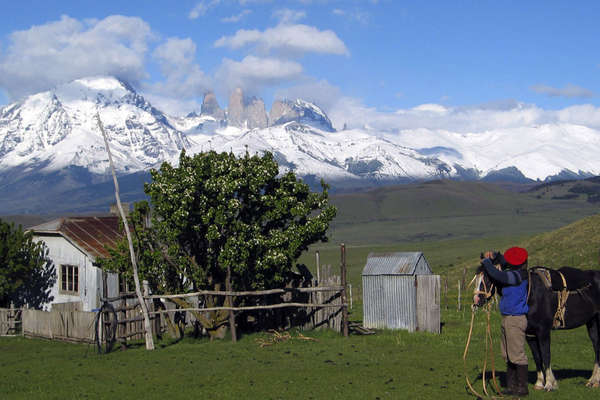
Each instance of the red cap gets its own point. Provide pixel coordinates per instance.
(515, 256)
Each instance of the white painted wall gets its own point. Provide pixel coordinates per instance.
(61, 251)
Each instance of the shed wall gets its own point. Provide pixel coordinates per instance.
(389, 301)
(422, 267)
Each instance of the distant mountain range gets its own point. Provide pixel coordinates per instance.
(53, 159)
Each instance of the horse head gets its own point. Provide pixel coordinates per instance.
(484, 289)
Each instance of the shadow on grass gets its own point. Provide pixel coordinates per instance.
(567, 374)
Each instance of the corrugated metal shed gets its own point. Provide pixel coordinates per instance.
(89, 234)
(392, 285)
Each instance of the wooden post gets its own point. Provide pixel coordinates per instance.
(124, 329)
(11, 319)
(136, 279)
(104, 285)
(149, 303)
(458, 295)
(350, 287)
(344, 297)
(229, 299)
(446, 291)
(318, 266)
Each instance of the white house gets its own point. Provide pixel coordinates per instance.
(74, 245)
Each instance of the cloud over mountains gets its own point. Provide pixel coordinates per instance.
(170, 71)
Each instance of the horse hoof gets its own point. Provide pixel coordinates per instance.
(538, 387)
(593, 384)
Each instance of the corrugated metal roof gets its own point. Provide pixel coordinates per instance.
(400, 263)
(90, 234)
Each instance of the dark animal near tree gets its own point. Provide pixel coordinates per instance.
(558, 299)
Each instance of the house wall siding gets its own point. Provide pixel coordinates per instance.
(63, 252)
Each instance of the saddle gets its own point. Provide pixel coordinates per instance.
(563, 282)
(565, 278)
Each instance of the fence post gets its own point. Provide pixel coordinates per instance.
(229, 299)
(446, 291)
(11, 319)
(458, 295)
(149, 304)
(350, 288)
(318, 266)
(344, 297)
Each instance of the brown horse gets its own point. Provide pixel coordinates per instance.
(553, 305)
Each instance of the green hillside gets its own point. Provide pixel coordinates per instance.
(575, 245)
(440, 210)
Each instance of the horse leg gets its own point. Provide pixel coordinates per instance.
(544, 341)
(593, 327)
(534, 345)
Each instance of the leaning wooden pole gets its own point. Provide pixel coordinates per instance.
(136, 279)
(344, 297)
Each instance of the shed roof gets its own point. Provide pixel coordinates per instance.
(399, 263)
(89, 234)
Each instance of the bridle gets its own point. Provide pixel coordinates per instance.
(488, 292)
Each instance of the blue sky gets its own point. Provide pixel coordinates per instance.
(379, 56)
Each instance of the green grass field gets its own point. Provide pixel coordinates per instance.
(388, 365)
(449, 222)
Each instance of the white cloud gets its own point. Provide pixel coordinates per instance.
(236, 18)
(571, 91)
(172, 105)
(355, 15)
(473, 119)
(46, 55)
(287, 16)
(320, 92)
(183, 77)
(584, 114)
(498, 116)
(296, 39)
(201, 8)
(254, 73)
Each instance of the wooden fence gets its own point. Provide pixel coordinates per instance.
(71, 326)
(325, 305)
(326, 317)
(10, 321)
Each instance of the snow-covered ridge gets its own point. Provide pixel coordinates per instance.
(57, 129)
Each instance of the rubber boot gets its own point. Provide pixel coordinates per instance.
(521, 386)
(511, 379)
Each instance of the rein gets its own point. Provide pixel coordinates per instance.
(489, 348)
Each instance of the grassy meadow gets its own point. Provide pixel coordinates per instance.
(450, 222)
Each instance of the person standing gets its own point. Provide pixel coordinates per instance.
(512, 284)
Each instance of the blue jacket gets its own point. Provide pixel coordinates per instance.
(512, 287)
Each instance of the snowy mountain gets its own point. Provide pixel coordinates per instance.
(56, 129)
(51, 147)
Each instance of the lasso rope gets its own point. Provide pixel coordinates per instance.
(489, 351)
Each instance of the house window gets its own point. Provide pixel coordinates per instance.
(69, 279)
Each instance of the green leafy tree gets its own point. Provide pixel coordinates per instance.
(219, 216)
(26, 272)
(225, 212)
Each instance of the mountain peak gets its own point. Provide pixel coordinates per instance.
(57, 128)
(302, 111)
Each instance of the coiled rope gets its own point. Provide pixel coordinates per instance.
(489, 354)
